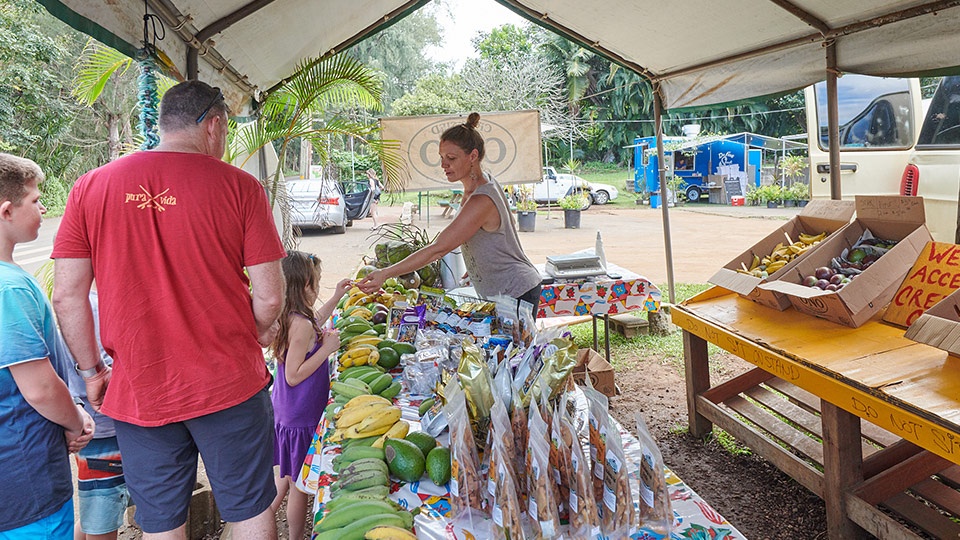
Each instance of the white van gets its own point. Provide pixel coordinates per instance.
(933, 169)
(879, 122)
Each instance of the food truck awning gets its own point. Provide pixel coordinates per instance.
(700, 51)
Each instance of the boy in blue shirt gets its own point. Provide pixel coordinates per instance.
(40, 422)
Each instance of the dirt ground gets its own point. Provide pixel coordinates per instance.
(754, 496)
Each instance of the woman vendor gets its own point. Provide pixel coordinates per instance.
(484, 227)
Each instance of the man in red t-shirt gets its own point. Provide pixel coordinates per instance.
(169, 234)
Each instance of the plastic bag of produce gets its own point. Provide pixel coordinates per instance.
(466, 489)
(582, 506)
(504, 505)
(598, 407)
(619, 513)
(477, 386)
(654, 509)
(541, 502)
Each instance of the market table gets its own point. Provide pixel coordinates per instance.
(693, 517)
(598, 295)
(840, 385)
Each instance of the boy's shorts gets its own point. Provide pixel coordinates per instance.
(160, 464)
(57, 525)
(101, 488)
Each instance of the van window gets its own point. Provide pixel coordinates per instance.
(941, 125)
(874, 112)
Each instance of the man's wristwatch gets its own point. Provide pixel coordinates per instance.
(92, 372)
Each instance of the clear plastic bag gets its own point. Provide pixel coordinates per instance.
(653, 500)
(466, 489)
(619, 512)
(542, 503)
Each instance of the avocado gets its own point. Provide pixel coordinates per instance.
(389, 358)
(403, 348)
(438, 465)
(404, 459)
(424, 441)
(385, 343)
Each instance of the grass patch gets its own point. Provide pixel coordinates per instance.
(728, 443)
(669, 348)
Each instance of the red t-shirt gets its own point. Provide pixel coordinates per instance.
(169, 235)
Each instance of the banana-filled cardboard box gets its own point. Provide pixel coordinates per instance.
(781, 250)
(897, 220)
(939, 326)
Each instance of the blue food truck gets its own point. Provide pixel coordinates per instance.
(700, 161)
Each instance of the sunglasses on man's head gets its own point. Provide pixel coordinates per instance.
(213, 102)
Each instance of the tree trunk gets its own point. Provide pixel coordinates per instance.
(659, 322)
(113, 141)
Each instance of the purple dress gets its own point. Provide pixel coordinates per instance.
(296, 413)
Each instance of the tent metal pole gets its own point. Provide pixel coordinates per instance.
(662, 172)
(833, 122)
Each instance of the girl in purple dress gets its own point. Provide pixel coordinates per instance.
(302, 384)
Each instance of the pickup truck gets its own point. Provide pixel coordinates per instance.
(554, 185)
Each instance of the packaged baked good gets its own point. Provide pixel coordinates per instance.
(466, 490)
(654, 510)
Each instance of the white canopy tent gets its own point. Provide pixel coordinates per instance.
(695, 52)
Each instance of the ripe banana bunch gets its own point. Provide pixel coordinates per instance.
(782, 254)
(389, 532)
(398, 431)
(359, 354)
(357, 297)
(365, 421)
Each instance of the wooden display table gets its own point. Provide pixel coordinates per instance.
(839, 385)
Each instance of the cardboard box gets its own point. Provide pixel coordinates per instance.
(939, 326)
(589, 362)
(817, 217)
(888, 218)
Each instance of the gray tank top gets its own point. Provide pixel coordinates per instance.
(495, 260)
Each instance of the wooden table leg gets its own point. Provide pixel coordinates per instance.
(697, 370)
(842, 468)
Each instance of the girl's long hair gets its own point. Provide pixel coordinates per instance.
(299, 271)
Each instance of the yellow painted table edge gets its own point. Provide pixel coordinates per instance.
(860, 402)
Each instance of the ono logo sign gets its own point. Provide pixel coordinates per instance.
(423, 152)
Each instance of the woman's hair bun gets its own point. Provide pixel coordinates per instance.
(473, 120)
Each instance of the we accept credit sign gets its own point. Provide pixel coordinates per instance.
(934, 276)
(511, 142)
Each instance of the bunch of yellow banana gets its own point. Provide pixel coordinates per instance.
(360, 353)
(368, 418)
(389, 532)
(782, 254)
(357, 297)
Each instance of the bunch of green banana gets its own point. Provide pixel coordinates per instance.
(371, 380)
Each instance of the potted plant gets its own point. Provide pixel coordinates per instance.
(675, 192)
(572, 204)
(526, 211)
(753, 196)
(799, 192)
(771, 195)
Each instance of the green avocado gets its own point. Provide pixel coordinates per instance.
(424, 441)
(438, 465)
(404, 459)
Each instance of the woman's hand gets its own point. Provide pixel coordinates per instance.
(77, 440)
(372, 282)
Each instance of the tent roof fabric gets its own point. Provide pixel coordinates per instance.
(701, 52)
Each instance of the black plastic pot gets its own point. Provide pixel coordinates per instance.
(571, 219)
(527, 221)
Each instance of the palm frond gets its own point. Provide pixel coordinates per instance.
(97, 63)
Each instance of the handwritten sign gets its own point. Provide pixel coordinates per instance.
(933, 277)
(732, 187)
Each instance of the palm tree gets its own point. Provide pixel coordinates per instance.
(314, 105)
(104, 82)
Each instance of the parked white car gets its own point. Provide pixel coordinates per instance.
(555, 185)
(602, 193)
(316, 203)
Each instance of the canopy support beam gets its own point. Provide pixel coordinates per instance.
(833, 121)
(662, 174)
(215, 28)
